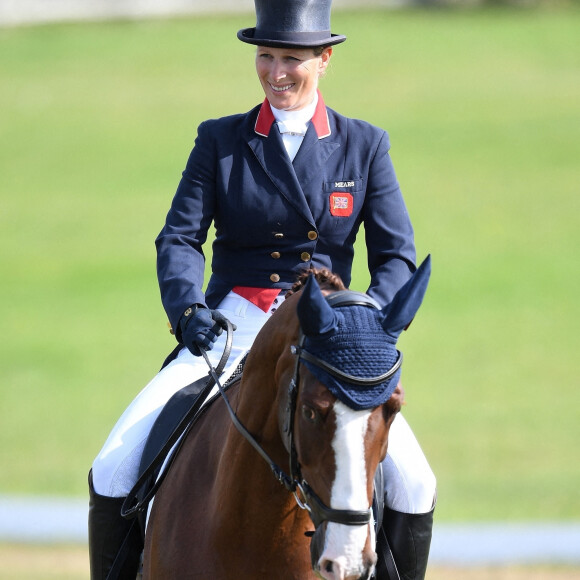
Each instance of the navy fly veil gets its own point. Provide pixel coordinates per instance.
(357, 341)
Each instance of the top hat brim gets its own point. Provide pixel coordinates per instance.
(293, 40)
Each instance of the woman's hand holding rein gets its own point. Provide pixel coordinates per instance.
(200, 327)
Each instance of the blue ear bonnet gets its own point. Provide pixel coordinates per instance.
(357, 346)
(357, 339)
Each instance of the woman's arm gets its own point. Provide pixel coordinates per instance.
(388, 230)
(180, 257)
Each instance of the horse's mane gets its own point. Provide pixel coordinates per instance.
(326, 279)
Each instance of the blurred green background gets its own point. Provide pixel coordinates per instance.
(483, 110)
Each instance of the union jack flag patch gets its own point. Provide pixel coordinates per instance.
(341, 203)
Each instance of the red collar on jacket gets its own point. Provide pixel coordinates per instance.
(320, 121)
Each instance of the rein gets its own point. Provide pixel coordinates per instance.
(305, 496)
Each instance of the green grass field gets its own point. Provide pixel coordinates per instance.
(483, 110)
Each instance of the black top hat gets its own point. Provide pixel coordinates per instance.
(291, 23)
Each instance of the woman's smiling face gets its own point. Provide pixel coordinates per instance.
(289, 76)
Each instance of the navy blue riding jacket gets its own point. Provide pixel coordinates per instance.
(274, 217)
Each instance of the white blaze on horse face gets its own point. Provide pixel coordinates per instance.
(344, 544)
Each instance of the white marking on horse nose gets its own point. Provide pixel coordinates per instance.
(342, 556)
(349, 490)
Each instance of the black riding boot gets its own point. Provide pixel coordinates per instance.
(409, 538)
(115, 543)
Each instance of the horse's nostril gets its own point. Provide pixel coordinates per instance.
(329, 566)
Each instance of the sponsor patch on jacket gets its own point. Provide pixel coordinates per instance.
(341, 203)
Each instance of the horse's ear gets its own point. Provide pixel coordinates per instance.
(316, 316)
(402, 309)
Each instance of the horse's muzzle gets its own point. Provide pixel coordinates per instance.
(330, 570)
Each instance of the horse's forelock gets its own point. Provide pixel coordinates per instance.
(326, 279)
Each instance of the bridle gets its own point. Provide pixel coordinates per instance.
(305, 496)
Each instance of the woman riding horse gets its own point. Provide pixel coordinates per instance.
(287, 186)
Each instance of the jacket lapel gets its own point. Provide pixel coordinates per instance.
(266, 143)
(300, 180)
(311, 160)
(312, 156)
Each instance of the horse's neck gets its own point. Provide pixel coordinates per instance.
(268, 367)
(257, 403)
(257, 409)
(244, 478)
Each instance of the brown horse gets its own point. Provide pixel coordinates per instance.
(221, 513)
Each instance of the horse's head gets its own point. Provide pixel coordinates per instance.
(336, 418)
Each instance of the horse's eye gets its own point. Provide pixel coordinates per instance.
(309, 414)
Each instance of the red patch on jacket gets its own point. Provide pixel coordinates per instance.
(341, 203)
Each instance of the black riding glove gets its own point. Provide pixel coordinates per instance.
(200, 328)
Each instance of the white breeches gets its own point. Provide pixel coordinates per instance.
(410, 483)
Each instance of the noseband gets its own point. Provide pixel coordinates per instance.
(305, 496)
